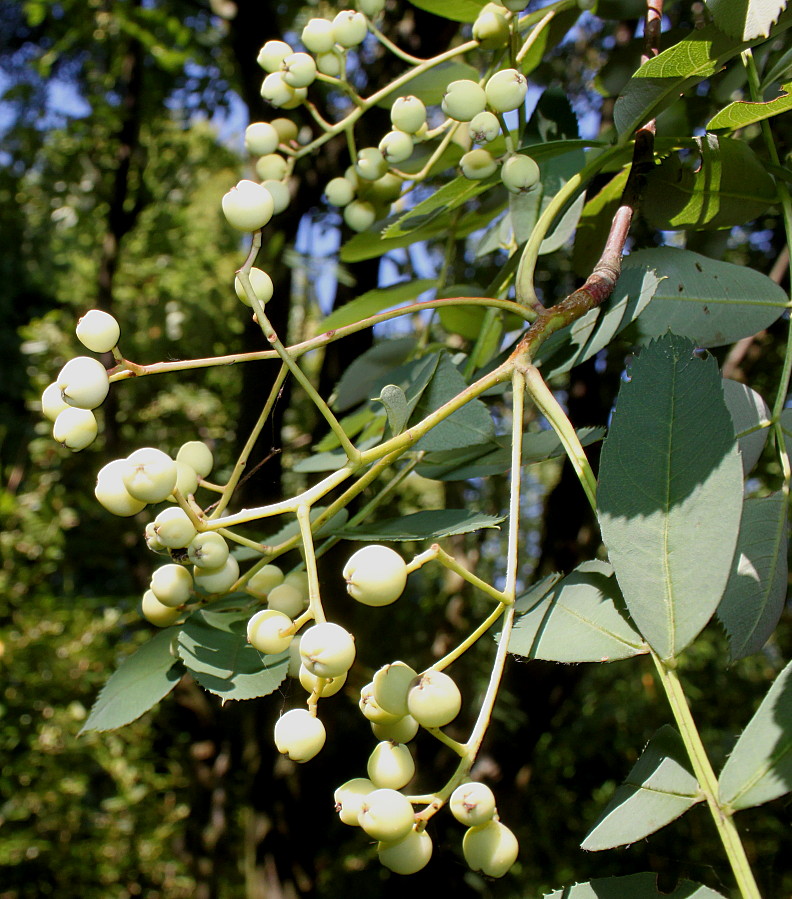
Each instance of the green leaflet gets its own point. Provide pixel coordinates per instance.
(633, 886)
(428, 525)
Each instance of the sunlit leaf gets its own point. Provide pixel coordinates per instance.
(374, 301)
(745, 19)
(457, 10)
(633, 886)
(427, 525)
(742, 113)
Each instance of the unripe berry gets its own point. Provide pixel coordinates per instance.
(150, 475)
(386, 815)
(375, 575)
(186, 480)
(384, 190)
(514, 5)
(391, 685)
(299, 69)
(395, 147)
(408, 855)
(153, 542)
(286, 128)
(75, 429)
(349, 28)
(390, 765)
(586, 4)
(371, 8)
(402, 730)
(264, 580)
(98, 331)
(295, 662)
(272, 54)
(372, 710)
(261, 138)
(434, 699)
(330, 686)
(298, 579)
(506, 90)
(279, 93)
(260, 282)
(339, 192)
(370, 164)
(111, 492)
(52, 402)
(463, 100)
(491, 848)
(174, 528)
(218, 580)
(197, 455)
(472, 804)
(317, 35)
(408, 114)
(272, 166)
(520, 174)
(156, 612)
(172, 584)
(270, 632)
(478, 164)
(281, 197)
(299, 735)
(327, 649)
(288, 599)
(248, 206)
(83, 382)
(491, 29)
(330, 63)
(349, 798)
(484, 128)
(208, 550)
(360, 215)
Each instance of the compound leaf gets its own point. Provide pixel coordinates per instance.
(632, 886)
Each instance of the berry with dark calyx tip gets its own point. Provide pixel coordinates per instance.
(261, 283)
(156, 612)
(463, 100)
(400, 731)
(261, 138)
(317, 35)
(395, 147)
(491, 29)
(75, 429)
(272, 166)
(281, 197)
(98, 331)
(371, 708)
(174, 528)
(299, 735)
(349, 798)
(264, 580)
(208, 550)
(360, 215)
(288, 599)
(520, 174)
(327, 649)
(279, 93)
(111, 492)
(272, 54)
(83, 382)
(330, 63)
(478, 164)
(339, 192)
(153, 542)
(370, 164)
(286, 128)
(151, 475)
(434, 699)
(349, 28)
(270, 632)
(386, 815)
(52, 402)
(197, 455)
(472, 804)
(408, 114)
(172, 584)
(408, 855)
(330, 686)
(218, 580)
(391, 685)
(299, 69)
(490, 848)
(371, 8)
(390, 765)
(186, 481)
(375, 575)
(248, 206)
(506, 90)
(484, 128)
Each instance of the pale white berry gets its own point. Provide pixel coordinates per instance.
(153, 542)
(272, 54)
(83, 382)
(281, 196)
(172, 584)
(372, 710)
(218, 580)
(434, 699)
(276, 91)
(339, 192)
(248, 206)
(299, 735)
(349, 28)
(408, 855)
(329, 686)
(298, 579)
(371, 8)
(75, 428)
(390, 765)
(261, 283)
(349, 798)
(156, 612)
(288, 599)
(261, 138)
(327, 649)
(112, 493)
(520, 174)
(375, 575)
(264, 580)
(472, 804)
(506, 90)
(408, 114)
(478, 164)
(151, 475)
(484, 128)
(286, 128)
(396, 147)
(295, 662)
(330, 63)
(370, 164)
(386, 815)
(360, 215)
(299, 69)
(463, 99)
(490, 848)
(272, 166)
(186, 480)
(391, 685)
(491, 29)
(270, 632)
(98, 331)
(197, 455)
(208, 550)
(402, 730)
(317, 35)
(52, 402)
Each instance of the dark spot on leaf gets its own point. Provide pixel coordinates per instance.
(706, 310)
(698, 267)
(680, 288)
